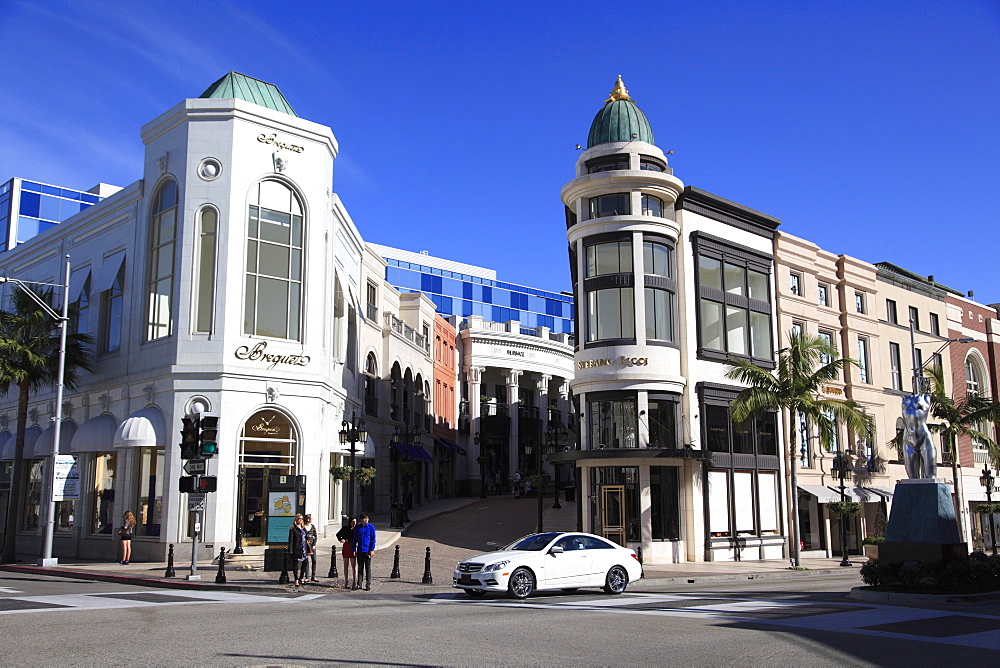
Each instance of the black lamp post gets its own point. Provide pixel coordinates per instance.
(552, 437)
(482, 469)
(538, 479)
(352, 432)
(842, 466)
(986, 480)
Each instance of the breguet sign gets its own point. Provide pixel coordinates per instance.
(273, 140)
(257, 354)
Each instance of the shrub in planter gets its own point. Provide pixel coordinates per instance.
(850, 508)
(365, 475)
(341, 472)
(972, 574)
(874, 540)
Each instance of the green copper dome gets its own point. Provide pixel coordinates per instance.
(248, 89)
(619, 120)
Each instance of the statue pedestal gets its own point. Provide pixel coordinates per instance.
(922, 524)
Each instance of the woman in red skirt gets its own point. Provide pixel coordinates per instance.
(346, 538)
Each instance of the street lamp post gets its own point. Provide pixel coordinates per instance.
(552, 436)
(986, 480)
(918, 368)
(404, 435)
(63, 319)
(482, 469)
(842, 465)
(538, 479)
(352, 432)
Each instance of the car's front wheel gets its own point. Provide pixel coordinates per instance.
(476, 593)
(521, 583)
(616, 581)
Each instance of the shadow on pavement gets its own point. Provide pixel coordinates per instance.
(486, 525)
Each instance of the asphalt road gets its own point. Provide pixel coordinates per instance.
(48, 621)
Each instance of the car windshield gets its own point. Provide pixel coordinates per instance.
(534, 543)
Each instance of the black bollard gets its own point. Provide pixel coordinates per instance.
(428, 578)
(170, 563)
(220, 577)
(283, 578)
(333, 564)
(638, 553)
(395, 565)
(239, 541)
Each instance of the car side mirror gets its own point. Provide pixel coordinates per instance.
(556, 550)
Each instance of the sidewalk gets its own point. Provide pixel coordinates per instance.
(465, 526)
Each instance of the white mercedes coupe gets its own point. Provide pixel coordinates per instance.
(545, 561)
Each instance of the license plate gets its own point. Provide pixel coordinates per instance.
(467, 580)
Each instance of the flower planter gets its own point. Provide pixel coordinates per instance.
(871, 551)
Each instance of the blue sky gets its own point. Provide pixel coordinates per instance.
(870, 127)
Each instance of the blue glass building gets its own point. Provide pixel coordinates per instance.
(463, 290)
(28, 208)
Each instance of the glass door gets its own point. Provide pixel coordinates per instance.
(613, 513)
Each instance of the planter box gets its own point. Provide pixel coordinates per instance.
(871, 551)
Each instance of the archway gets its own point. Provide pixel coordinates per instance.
(268, 442)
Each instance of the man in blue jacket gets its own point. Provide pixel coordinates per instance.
(364, 545)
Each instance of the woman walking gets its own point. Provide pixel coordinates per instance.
(346, 538)
(125, 533)
(307, 521)
(298, 549)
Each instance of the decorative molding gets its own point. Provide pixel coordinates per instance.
(273, 392)
(163, 161)
(148, 393)
(104, 400)
(280, 162)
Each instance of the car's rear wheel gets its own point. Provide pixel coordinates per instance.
(521, 584)
(616, 581)
(476, 593)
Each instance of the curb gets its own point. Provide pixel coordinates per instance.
(738, 577)
(869, 595)
(132, 580)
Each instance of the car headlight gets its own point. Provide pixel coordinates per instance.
(497, 566)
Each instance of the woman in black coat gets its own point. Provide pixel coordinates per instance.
(298, 550)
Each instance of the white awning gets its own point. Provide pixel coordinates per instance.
(142, 429)
(95, 435)
(43, 446)
(31, 435)
(105, 277)
(822, 494)
(862, 494)
(6, 446)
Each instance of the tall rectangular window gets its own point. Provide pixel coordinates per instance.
(613, 257)
(371, 307)
(822, 294)
(662, 419)
(205, 280)
(149, 493)
(112, 301)
(890, 312)
(664, 493)
(162, 234)
(863, 359)
(659, 314)
(795, 283)
(895, 368)
(915, 318)
(859, 302)
(102, 495)
(613, 423)
(827, 337)
(935, 324)
(611, 314)
(652, 206)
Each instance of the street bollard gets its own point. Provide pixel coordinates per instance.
(428, 578)
(239, 541)
(170, 563)
(333, 564)
(638, 553)
(220, 577)
(283, 578)
(395, 565)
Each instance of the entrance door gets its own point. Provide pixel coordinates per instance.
(267, 445)
(613, 513)
(254, 496)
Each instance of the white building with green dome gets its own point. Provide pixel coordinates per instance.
(668, 280)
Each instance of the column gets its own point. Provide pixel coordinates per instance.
(513, 397)
(474, 376)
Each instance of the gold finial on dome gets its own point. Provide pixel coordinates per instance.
(619, 92)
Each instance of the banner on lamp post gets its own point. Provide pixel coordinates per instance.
(67, 479)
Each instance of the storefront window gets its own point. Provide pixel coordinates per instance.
(664, 494)
(662, 422)
(33, 495)
(612, 423)
(149, 495)
(103, 493)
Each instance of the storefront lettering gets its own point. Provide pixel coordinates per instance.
(830, 389)
(516, 353)
(622, 360)
(257, 354)
(273, 140)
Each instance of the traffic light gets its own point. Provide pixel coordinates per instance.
(189, 438)
(186, 484)
(208, 483)
(209, 436)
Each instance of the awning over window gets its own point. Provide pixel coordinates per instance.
(450, 446)
(142, 429)
(6, 446)
(31, 435)
(822, 494)
(369, 452)
(863, 494)
(105, 277)
(95, 435)
(421, 455)
(43, 446)
(76, 282)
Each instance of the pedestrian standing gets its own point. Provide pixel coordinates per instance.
(517, 484)
(298, 550)
(364, 545)
(125, 533)
(311, 544)
(498, 483)
(346, 538)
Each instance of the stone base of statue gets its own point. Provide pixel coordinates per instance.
(922, 524)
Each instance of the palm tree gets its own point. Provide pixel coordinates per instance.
(29, 357)
(803, 368)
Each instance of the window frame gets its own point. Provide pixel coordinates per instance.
(161, 262)
(895, 366)
(595, 209)
(891, 312)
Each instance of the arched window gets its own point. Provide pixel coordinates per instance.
(274, 262)
(204, 282)
(162, 235)
(973, 377)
